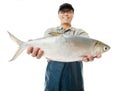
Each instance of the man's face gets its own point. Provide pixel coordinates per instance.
(65, 16)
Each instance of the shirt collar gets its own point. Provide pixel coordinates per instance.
(61, 28)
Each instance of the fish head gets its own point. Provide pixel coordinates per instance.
(101, 47)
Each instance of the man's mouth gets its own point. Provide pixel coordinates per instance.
(65, 18)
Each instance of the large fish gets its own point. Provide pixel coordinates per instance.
(63, 48)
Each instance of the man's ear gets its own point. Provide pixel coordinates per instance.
(58, 15)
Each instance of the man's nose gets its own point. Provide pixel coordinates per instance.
(66, 13)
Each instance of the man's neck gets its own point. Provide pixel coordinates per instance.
(66, 26)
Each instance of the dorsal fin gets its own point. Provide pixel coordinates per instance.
(55, 33)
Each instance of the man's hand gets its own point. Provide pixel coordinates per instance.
(90, 58)
(35, 52)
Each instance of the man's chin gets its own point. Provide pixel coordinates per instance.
(66, 23)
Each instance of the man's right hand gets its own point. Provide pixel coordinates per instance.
(35, 52)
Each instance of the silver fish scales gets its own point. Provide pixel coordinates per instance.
(63, 48)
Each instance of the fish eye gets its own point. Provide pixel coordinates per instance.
(105, 49)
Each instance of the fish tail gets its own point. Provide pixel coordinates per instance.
(20, 49)
(18, 52)
(19, 42)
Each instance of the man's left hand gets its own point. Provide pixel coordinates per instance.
(90, 58)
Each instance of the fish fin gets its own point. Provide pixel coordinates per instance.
(55, 33)
(21, 46)
(18, 52)
(19, 42)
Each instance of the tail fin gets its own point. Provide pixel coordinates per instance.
(20, 49)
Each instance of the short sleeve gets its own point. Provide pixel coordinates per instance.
(82, 33)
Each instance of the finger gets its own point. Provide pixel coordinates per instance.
(98, 56)
(30, 50)
(35, 51)
(39, 54)
(85, 59)
(90, 58)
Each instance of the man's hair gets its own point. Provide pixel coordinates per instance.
(65, 6)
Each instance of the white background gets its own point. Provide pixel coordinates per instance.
(28, 19)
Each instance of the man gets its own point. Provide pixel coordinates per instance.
(61, 76)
